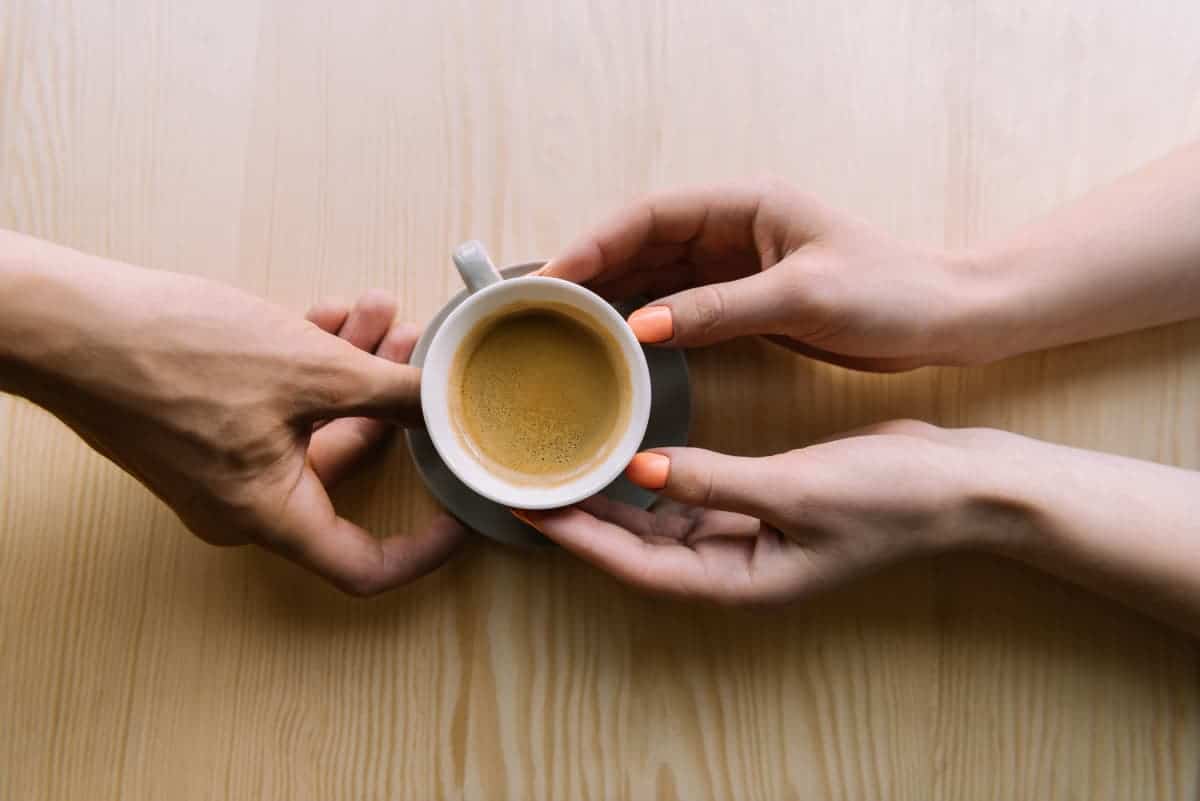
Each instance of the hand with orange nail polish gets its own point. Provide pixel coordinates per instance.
(766, 259)
(736, 530)
(776, 528)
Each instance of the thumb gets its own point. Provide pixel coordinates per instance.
(710, 480)
(370, 386)
(757, 304)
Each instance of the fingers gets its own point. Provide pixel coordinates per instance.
(369, 321)
(741, 566)
(369, 386)
(363, 326)
(329, 314)
(706, 242)
(673, 569)
(357, 383)
(347, 380)
(336, 447)
(368, 326)
(311, 534)
(725, 550)
(672, 523)
(639, 235)
(709, 480)
(761, 303)
(398, 345)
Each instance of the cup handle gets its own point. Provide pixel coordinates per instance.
(474, 266)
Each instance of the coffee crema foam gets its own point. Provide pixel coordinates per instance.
(539, 393)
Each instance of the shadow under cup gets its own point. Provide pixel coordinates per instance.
(438, 388)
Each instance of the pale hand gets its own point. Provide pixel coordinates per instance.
(778, 528)
(764, 258)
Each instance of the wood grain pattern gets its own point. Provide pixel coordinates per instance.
(302, 148)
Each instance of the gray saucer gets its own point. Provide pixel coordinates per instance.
(670, 413)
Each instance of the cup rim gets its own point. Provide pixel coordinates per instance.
(444, 437)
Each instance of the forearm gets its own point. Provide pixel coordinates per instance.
(40, 316)
(1124, 257)
(62, 316)
(1123, 527)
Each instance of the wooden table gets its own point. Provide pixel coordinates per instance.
(301, 149)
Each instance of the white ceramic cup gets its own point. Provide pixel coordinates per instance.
(490, 293)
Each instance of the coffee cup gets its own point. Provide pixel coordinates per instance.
(535, 392)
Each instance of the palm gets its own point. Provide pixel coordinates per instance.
(710, 553)
(772, 528)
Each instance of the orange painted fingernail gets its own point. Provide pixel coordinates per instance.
(523, 517)
(652, 324)
(649, 470)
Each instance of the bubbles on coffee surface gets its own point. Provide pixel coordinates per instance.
(540, 393)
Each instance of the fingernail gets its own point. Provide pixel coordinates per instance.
(649, 470)
(652, 324)
(524, 517)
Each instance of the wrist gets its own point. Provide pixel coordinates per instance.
(41, 313)
(990, 317)
(997, 510)
(21, 281)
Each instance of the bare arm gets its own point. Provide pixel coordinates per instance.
(1124, 257)
(236, 413)
(1124, 527)
(780, 528)
(767, 259)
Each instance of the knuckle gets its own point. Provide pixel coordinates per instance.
(404, 332)
(338, 379)
(647, 201)
(708, 310)
(792, 291)
(325, 308)
(811, 290)
(706, 487)
(693, 484)
(798, 505)
(377, 301)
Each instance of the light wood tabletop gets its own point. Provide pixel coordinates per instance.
(301, 149)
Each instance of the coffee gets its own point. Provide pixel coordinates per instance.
(539, 392)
